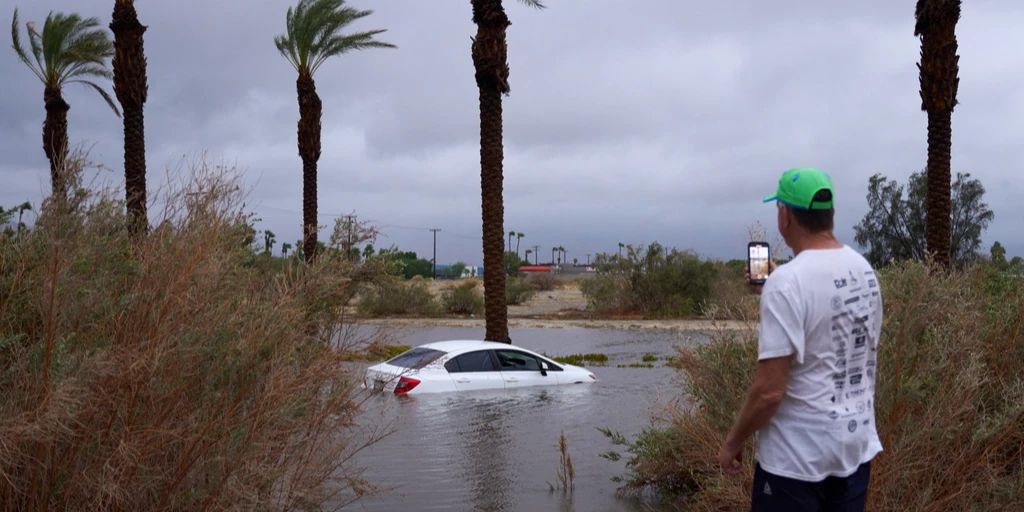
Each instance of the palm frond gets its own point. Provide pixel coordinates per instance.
(22, 55)
(88, 69)
(68, 50)
(537, 4)
(312, 33)
(106, 96)
(35, 41)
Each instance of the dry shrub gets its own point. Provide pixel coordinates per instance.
(168, 372)
(518, 291)
(950, 402)
(393, 296)
(543, 282)
(730, 297)
(463, 299)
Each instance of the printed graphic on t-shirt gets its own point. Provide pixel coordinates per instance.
(854, 348)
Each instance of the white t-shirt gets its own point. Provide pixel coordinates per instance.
(825, 308)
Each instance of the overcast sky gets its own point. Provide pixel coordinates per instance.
(628, 121)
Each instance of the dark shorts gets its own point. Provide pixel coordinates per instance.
(776, 493)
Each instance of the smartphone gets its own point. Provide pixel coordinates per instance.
(758, 256)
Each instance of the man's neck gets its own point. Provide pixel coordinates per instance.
(824, 240)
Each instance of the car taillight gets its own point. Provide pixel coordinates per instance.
(405, 385)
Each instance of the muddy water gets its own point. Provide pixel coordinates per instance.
(498, 450)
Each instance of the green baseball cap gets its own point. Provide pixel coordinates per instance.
(797, 188)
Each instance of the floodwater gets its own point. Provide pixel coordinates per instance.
(498, 450)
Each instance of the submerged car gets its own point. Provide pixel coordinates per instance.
(464, 365)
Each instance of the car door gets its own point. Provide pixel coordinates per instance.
(475, 370)
(520, 369)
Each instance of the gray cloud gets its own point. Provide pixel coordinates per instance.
(663, 123)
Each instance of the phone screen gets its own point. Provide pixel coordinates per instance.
(758, 257)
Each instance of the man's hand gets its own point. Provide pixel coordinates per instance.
(756, 288)
(731, 458)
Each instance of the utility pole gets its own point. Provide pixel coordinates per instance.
(349, 220)
(434, 260)
(536, 255)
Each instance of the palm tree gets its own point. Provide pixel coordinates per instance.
(69, 50)
(269, 239)
(130, 86)
(312, 35)
(519, 237)
(508, 247)
(490, 52)
(936, 25)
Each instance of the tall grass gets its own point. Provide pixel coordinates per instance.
(950, 402)
(170, 372)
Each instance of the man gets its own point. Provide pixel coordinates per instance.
(811, 402)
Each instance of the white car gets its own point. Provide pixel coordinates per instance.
(464, 365)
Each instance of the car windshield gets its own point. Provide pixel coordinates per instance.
(416, 358)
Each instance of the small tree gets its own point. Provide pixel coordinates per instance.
(894, 228)
(350, 233)
(998, 255)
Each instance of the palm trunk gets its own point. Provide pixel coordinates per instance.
(310, 109)
(130, 86)
(938, 201)
(936, 24)
(490, 61)
(55, 140)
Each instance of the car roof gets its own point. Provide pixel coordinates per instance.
(459, 346)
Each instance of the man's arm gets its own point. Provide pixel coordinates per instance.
(763, 399)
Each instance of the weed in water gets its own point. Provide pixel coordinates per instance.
(582, 359)
(566, 472)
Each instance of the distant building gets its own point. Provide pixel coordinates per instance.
(537, 269)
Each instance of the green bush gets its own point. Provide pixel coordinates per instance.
(463, 299)
(949, 402)
(656, 282)
(517, 291)
(391, 296)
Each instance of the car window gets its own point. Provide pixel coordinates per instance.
(512, 360)
(479, 361)
(552, 366)
(416, 358)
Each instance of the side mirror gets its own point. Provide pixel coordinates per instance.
(543, 368)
